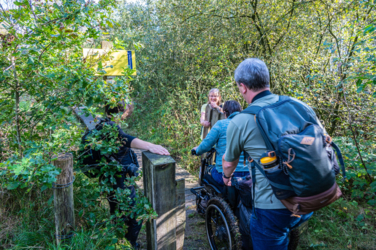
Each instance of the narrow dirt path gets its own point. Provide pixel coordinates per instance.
(195, 235)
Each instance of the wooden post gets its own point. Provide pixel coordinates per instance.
(180, 213)
(160, 189)
(63, 198)
(207, 118)
(216, 115)
(212, 115)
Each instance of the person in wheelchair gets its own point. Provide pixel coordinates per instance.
(217, 137)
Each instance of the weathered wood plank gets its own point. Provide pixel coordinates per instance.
(212, 115)
(63, 198)
(180, 213)
(87, 120)
(160, 189)
(216, 115)
(207, 118)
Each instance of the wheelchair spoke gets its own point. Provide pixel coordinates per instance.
(218, 230)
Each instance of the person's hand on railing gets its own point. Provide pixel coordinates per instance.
(158, 149)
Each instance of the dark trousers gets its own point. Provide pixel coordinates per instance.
(133, 226)
(270, 228)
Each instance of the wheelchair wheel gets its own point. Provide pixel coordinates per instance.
(221, 226)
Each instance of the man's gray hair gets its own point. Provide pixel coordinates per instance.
(253, 73)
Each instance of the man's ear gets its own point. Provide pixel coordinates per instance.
(243, 88)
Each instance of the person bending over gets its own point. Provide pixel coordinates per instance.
(125, 157)
(217, 137)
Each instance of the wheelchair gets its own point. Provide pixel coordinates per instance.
(218, 207)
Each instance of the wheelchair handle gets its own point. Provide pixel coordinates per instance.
(193, 152)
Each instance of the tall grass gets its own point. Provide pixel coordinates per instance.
(27, 219)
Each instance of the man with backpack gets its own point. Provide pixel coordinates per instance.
(288, 151)
(123, 156)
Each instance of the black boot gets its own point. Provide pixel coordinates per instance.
(136, 246)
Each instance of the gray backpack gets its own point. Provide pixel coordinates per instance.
(302, 175)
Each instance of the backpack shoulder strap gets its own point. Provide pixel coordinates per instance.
(283, 98)
(252, 110)
(340, 158)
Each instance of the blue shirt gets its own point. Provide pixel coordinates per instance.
(217, 137)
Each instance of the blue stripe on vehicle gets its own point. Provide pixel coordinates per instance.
(130, 65)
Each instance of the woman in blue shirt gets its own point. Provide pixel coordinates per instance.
(217, 137)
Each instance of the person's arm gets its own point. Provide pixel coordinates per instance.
(215, 106)
(234, 149)
(210, 140)
(156, 149)
(203, 122)
(228, 169)
(125, 139)
(133, 142)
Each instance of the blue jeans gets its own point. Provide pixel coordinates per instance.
(270, 228)
(218, 176)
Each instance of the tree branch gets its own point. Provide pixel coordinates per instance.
(288, 25)
(354, 136)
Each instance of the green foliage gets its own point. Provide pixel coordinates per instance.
(43, 76)
(357, 187)
(44, 66)
(33, 225)
(342, 225)
(322, 53)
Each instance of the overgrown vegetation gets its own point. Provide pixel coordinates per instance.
(43, 75)
(321, 52)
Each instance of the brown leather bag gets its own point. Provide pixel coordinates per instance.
(305, 205)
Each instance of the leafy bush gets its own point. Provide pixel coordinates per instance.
(43, 76)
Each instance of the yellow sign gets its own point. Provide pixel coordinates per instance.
(116, 62)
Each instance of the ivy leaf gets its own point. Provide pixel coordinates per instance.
(13, 185)
(360, 217)
(372, 202)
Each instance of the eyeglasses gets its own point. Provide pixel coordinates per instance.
(213, 95)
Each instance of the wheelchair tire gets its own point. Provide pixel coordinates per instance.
(221, 226)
